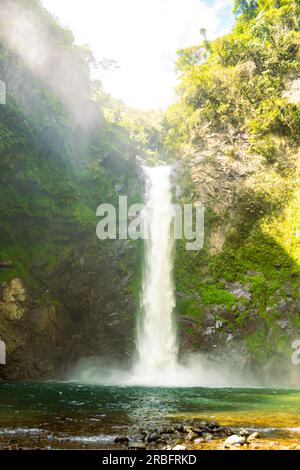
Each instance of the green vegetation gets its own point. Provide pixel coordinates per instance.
(236, 86)
(237, 81)
(61, 156)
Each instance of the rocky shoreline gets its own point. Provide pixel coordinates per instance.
(200, 435)
(196, 435)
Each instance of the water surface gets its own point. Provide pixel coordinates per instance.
(58, 414)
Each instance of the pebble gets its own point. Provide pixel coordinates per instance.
(199, 440)
(136, 446)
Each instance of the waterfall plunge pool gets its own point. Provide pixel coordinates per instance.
(66, 415)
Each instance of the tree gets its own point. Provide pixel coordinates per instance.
(203, 32)
(247, 8)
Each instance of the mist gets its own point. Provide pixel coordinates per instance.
(37, 42)
(194, 370)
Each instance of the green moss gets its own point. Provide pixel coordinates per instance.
(189, 307)
(190, 331)
(211, 294)
(259, 345)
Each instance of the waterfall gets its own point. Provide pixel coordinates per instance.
(156, 342)
(156, 362)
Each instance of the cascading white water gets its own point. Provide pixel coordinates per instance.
(156, 341)
(156, 330)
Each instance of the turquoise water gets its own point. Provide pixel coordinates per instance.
(57, 414)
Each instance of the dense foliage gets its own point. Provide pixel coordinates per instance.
(237, 81)
(234, 114)
(59, 156)
(66, 146)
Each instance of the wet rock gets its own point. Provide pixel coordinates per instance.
(207, 436)
(164, 430)
(137, 446)
(179, 428)
(244, 433)
(152, 437)
(191, 436)
(122, 440)
(199, 440)
(187, 429)
(222, 431)
(234, 440)
(179, 447)
(213, 425)
(203, 424)
(198, 431)
(167, 437)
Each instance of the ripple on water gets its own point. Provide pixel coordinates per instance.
(11, 431)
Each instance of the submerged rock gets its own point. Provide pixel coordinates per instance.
(122, 440)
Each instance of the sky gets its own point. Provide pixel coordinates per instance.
(142, 36)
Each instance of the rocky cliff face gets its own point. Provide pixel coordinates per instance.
(236, 130)
(31, 332)
(83, 308)
(239, 298)
(64, 294)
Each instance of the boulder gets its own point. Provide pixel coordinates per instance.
(234, 440)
